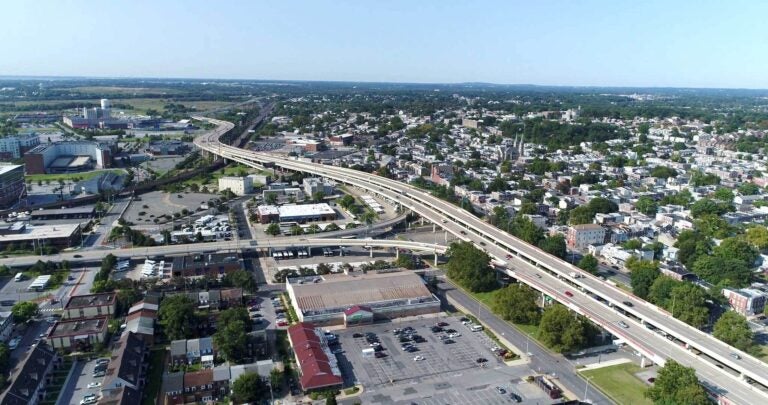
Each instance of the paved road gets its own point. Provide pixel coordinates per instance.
(541, 359)
(552, 276)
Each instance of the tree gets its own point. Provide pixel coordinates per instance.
(733, 329)
(242, 278)
(646, 205)
(562, 331)
(661, 290)
(663, 172)
(323, 268)
(758, 236)
(516, 303)
(589, 263)
(706, 206)
(691, 245)
(270, 198)
(406, 261)
(249, 387)
(724, 194)
(689, 304)
(642, 275)
(318, 197)
(346, 201)
(717, 270)
(231, 336)
(581, 215)
(470, 267)
(748, 189)
(554, 245)
(177, 316)
(24, 311)
(273, 229)
(737, 249)
(677, 384)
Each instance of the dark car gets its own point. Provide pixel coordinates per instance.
(436, 329)
(450, 331)
(448, 341)
(568, 293)
(627, 303)
(442, 324)
(379, 355)
(481, 360)
(357, 335)
(515, 397)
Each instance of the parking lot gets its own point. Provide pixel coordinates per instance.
(78, 387)
(464, 370)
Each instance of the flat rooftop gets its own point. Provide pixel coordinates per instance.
(90, 209)
(7, 168)
(305, 210)
(79, 327)
(41, 232)
(343, 291)
(206, 259)
(91, 300)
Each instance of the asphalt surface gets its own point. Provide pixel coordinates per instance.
(542, 360)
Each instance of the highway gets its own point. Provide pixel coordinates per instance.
(548, 274)
(269, 243)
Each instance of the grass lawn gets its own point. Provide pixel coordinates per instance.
(155, 376)
(485, 297)
(68, 176)
(619, 383)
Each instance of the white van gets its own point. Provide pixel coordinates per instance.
(476, 328)
(19, 277)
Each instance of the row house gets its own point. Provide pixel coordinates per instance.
(192, 351)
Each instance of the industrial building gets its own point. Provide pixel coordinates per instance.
(95, 117)
(67, 157)
(238, 185)
(295, 213)
(21, 235)
(168, 147)
(84, 212)
(11, 185)
(314, 185)
(13, 146)
(323, 300)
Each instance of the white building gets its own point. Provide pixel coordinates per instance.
(581, 236)
(238, 185)
(12, 147)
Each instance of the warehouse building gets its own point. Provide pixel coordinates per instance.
(238, 185)
(317, 364)
(360, 298)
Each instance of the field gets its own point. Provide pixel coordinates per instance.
(117, 91)
(68, 176)
(140, 105)
(619, 383)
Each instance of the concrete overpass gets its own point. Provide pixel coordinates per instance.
(252, 244)
(552, 276)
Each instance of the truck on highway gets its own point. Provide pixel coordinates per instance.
(575, 274)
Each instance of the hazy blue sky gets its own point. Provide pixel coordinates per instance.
(613, 42)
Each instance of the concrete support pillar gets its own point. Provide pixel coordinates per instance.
(435, 259)
(642, 362)
(434, 228)
(397, 253)
(446, 236)
(421, 221)
(371, 251)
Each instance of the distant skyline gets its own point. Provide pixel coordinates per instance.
(552, 43)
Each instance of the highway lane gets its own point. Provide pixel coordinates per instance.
(277, 243)
(460, 222)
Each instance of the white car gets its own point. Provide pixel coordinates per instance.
(454, 335)
(89, 399)
(94, 385)
(418, 358)
(14, 343)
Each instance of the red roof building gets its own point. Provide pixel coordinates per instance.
(318, 368)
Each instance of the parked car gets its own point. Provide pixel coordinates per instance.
(442, 324)
(94, 384)
(98, 374)
(418, 358)
(515, 397)
(357, 335)
(102, 361)
(501, 390)
(481, 360)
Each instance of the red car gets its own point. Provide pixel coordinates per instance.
(568, 293)
(282, 323)
(509, 256)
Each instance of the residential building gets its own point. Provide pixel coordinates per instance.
(78, 334)
(128, 365)
(314, 185)
(90, 305)
(13, 146)
(746, 301)
(141, 321)
(205, 265)
(31, 376)
(11, 185)
(6, 325)
(238, 185)
(581, 236)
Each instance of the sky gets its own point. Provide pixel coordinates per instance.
(672, 43)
